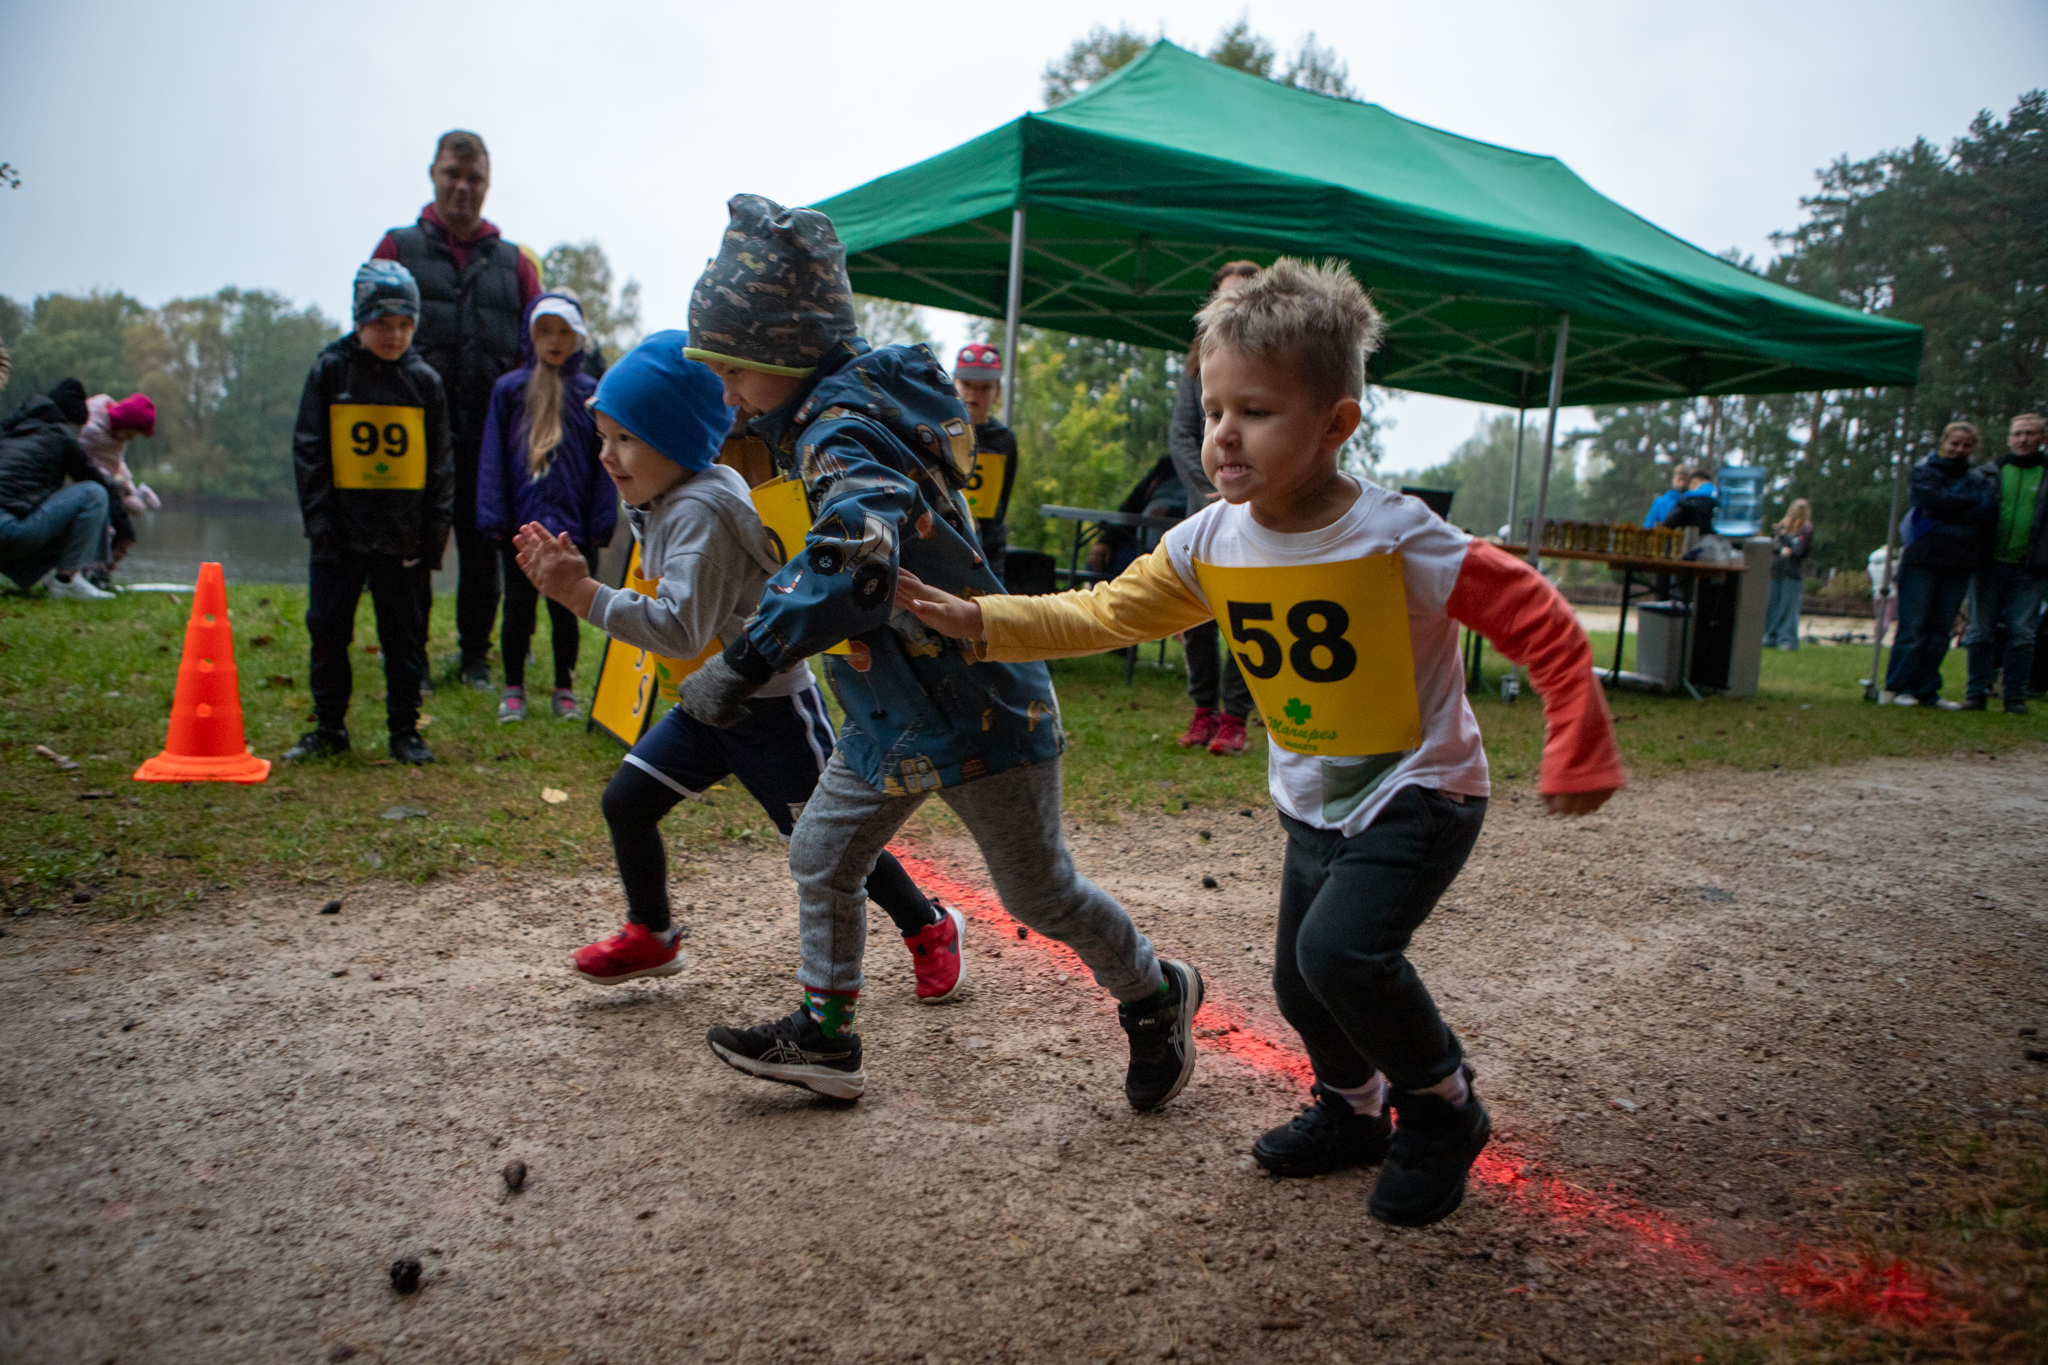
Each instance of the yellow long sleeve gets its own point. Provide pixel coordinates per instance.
(1144, 602)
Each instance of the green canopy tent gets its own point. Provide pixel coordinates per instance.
(1496, 270)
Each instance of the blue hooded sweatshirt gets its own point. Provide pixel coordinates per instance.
(575, 494)
(878, 438)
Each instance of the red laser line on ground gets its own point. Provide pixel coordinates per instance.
(1853, 1286)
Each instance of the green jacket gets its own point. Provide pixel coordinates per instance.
(2020, 535)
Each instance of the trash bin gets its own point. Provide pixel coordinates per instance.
(1660, 642)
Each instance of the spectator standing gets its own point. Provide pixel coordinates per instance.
(1884, 591)
(2006, 591)
(539, 465)
(1953, 506)
(1681, 477)
(1216, 727)
(474, 290)
(1697, 503)
(1788, 575)
(46, 527)
(978, 379)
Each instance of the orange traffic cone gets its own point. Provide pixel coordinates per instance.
(206, 743)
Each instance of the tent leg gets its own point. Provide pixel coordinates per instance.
(1874, 691)
(1515, 472)
(1013, 306)
(1564, 329)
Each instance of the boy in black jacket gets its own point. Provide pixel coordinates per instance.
(377, 491)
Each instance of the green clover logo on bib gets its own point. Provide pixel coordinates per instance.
(1298, 711)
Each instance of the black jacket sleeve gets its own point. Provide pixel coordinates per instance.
(438, 497)
(312, 461)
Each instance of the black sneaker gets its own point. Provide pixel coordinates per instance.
(2015, 707)
(1323, 1137)
(1162, 1034)
(1435, 1144)
(320, 743)
(408, 747)
(794, 1051)
(1976, 704)
(477, 673)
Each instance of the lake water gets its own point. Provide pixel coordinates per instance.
(252, 545)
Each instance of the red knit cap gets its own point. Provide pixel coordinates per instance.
(978, 361)
(133, 413)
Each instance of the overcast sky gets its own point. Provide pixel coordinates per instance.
(169, 150)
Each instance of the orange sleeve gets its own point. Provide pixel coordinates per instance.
(1530, 623)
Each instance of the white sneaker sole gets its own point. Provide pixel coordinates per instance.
(823, 1080)
(960, 937)
(665, 969)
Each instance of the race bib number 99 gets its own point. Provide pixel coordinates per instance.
(1325, 651)
(378, 447)
(985, 485)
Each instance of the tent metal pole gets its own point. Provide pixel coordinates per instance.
(1515, 471)
(1874, 690)
(1564, 331)
(1014, 305)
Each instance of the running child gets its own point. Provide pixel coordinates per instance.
(538, 463)
(662, 419)
(882, 446)
(1343, 601)
(376, 478)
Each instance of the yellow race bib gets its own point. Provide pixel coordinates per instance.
(1325, 651)
(985, 484)
(787, 515)
(378, 447)
(630, 678)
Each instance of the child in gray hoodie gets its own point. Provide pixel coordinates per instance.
(662, 418)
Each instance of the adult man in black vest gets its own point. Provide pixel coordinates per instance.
(474, 288)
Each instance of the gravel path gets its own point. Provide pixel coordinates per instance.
(1698, 1016)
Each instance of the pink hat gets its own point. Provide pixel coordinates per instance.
(133, 413)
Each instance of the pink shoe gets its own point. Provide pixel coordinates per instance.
(938, 953)
(1229, 735)
(633, 952)
(1201, 729)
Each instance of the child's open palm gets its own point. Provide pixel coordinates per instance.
(553, 562)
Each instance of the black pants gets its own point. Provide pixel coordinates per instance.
(1210, 678)
(1347, 910)
(777, 753)
(476, 592)
(334, 587)
(515, 636)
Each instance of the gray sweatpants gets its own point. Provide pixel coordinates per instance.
(1014, 817)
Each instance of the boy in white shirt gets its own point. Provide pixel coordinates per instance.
(1343, 602)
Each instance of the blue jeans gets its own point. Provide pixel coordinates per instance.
(68, 532)
(1781, 622)
(2006, 595)
(1929, 599)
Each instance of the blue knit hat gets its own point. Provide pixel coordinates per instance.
(667, 400)
(385, 287)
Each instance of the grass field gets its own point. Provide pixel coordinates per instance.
(94, 682)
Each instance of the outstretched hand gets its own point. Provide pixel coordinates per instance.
(1576, 803)
(954, 617)
(555, 566)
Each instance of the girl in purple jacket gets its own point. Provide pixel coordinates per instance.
(539, 463)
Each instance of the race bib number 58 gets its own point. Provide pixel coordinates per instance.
(1325, 651)
(378, 447)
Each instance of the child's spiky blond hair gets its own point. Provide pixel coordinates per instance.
(1313, 315)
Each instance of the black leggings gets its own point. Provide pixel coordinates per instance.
(775, 753)
(515, 639)
(1347, 910)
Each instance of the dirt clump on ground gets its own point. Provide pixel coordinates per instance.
(1698, 1017)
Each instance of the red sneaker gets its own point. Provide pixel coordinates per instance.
(628, 955)
(938, 952)
(1201, 729)
(1229, 735)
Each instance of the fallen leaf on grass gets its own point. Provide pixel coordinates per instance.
(64, 764)
(554, 796)
(96, 796)
(280, 680)
(425, 721)
(406, 813)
